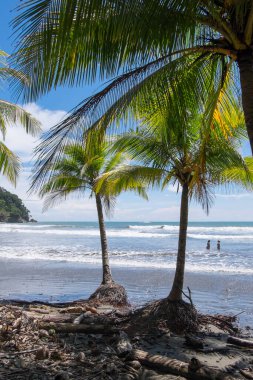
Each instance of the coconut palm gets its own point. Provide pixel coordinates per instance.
(76, 172)
(75, 42)
(185, 157)
(11, 114)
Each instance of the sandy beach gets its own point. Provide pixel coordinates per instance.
(65, 281)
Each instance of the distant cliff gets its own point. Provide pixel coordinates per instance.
(12, 209)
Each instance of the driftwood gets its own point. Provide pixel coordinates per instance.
(47, 317)
(246, 373)
(39, 311)
(79, 328)
(194, 370)
(240, 342)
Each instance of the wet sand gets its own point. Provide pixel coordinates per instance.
(65, 281)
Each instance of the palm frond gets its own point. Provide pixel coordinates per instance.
(127, 178)
(77, 41)
(9, 163)
(12, 114)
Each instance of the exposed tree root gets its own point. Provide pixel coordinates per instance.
(111, 293)
(179, 317)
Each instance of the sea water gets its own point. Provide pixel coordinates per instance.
(150, 245)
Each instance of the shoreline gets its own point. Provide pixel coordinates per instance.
(54, 281)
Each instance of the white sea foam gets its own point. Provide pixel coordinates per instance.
(21, 226)
(205, 263)
(88, 232)
(218, 237)
(199, 229)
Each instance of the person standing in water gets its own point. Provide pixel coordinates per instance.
(208, 244)
(218, 245)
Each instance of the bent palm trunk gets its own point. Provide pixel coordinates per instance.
(245, 63)
(177, 287)
(107, 277)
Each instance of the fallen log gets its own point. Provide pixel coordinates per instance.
(57, 318)
(37, 310)
(194, 370)
(247, 373)
(81, 328)
(240, 342)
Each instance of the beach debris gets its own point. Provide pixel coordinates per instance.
(62, 376)
(223, 322)
(134, 364)
(193, 341)
(247, 373)
(240, 342)
(56, 355)
(42, 353)
(102, 344)
(123, 346)
(40, 311)
(81, 328)
(194, 370)
(80, 357)
(91, 309)
(43, 333)
(73, 310)
(78, 319)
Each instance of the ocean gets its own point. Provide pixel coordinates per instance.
(146, 248)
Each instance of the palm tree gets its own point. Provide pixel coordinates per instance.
(76, 172)
(186, 158)
(190, 156)
(76, 42)
(11, 114)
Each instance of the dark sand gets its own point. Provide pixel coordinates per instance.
(65, 281)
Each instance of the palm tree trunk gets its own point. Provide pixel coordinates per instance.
(107, 277)
(245, 63)
(177, 287)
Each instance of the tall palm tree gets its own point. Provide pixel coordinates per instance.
(11, 114)
(76, 172)
(186, 157)
(62, 42)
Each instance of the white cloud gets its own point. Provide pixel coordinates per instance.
(22, 143)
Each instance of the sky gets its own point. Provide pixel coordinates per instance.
(50, 109)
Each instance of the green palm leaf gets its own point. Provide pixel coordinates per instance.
(9, 163)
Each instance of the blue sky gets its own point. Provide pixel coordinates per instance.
(49, 109)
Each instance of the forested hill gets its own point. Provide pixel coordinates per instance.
(12, 209)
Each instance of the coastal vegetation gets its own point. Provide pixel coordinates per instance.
(76, 172)
(12, 209)
(11, 114)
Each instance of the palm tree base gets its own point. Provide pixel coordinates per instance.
(180, 316)
(177, 316)
(110, 293)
